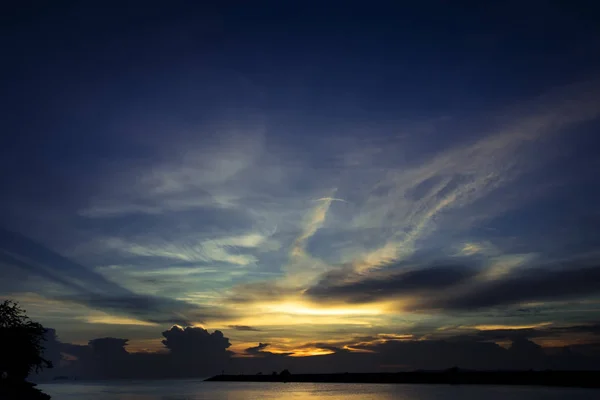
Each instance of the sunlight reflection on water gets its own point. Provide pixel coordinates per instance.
(198, 390)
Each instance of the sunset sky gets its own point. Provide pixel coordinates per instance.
(311, 175)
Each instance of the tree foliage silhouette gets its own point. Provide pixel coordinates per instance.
(21, 343)
(285, 373)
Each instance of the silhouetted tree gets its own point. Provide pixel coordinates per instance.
(21, 351)
(20, 343)
(285, 373)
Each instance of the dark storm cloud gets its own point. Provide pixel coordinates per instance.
(182, 340)
(437, 286)
(510, 334)
(551, 283)
(432, 278)
(591, 328)
(530, 333)
(195, 352)
(87, 287)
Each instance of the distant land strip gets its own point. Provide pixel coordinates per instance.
(583, 379)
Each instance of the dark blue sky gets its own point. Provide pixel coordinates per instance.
(173, 163)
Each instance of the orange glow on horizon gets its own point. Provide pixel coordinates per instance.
(296, 308)
(502, 327)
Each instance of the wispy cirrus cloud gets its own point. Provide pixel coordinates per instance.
(217, 249)
(302, 267)
(411, 200)
(188, 174)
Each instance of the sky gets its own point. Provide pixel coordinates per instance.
(307, 178)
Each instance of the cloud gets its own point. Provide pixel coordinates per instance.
(104, 358)
(313, 221)
(189, 250)
(182, 341)
(501, 265)
(593, 328)
(104, 318)
(195, 352)
(244, 328)
(84, 286)
(257, 349)
(482, 248)
(301, 266)
(540, 283)
(467, 287)
(22, 252)
(410, 201)
(205, 176)
(387, 286)
(153, 309)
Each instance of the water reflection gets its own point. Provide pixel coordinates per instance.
(198, 390)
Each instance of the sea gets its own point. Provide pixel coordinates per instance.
(199, 390)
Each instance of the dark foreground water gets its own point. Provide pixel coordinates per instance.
(198, 390)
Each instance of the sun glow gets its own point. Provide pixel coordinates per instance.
(103, 318)
(311, 352)
(304, 309)
(516, 327)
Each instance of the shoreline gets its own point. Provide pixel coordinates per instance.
(582, 379)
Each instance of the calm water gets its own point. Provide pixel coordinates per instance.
(198, 390)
